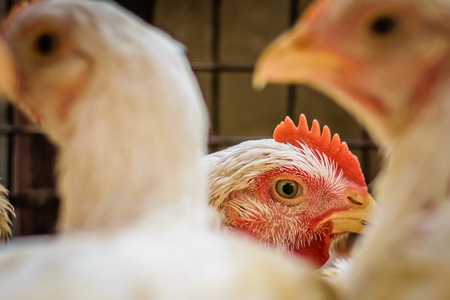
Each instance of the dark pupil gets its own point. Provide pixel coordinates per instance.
(46, 43)
(288, 188)
(383, 25)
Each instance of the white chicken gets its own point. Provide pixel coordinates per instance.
(301, 191)
(120, 100)
(388, 63)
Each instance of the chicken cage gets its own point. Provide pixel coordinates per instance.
(223, 39)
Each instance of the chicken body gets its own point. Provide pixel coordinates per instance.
(388, 63)
(131, 128)
(291, 192)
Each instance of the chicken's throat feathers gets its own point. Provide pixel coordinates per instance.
(331, 147)
(280, 227)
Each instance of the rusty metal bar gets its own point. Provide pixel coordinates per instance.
(292, 90)
(215, 76)
(23, 129)
(215, 66)
(35, 199)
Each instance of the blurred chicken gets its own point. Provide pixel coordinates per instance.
(72, 127)
(388, 63)
(301, 191)
(120, 100)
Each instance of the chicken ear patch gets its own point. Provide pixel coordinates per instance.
(287, 132)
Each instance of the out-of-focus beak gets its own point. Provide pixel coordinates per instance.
(8, 76)
(293, 58)
(358, 217)
(285, 61)
(296, 57)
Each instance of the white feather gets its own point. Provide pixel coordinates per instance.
(234, 168)
(131, 177)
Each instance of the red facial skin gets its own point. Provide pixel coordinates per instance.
(294, 224)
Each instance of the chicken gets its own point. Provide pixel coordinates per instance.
(301, 191)
(387, 63)
(119, 99)
(74, 132)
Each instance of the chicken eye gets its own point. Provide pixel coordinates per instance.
(288, 188)
(383, 25)
(46, 43)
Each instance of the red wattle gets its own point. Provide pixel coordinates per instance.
(317, 252)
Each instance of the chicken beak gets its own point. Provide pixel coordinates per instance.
(358, 217)
(8, 76)
(296, 57)
(292, 58)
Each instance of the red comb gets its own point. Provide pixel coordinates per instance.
(287, 132)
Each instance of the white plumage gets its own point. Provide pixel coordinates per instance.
(119, 99)
(300, 192)
(235, 167)
(389, 65)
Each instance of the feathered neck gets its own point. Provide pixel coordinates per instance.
(417, 161)
(134, 154)
(415, 176)
(412, 187)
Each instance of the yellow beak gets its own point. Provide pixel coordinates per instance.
(293, 58)
(358, 217)
(8, 76)
(297, 58)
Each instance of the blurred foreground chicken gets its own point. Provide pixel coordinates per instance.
(120, 100)
(301, 191)
(388, 63)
